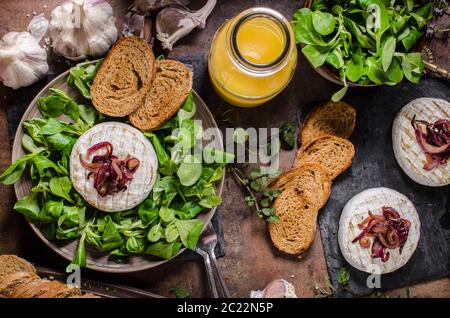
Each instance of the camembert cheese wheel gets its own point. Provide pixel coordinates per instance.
(125, 140)
(356, 210)
(407, 150)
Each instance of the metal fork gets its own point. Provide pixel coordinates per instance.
(205, 248)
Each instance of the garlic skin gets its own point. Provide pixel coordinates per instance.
(22, 60)
(82, 28)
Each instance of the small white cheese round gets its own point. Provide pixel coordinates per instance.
(407, 150)
(356, 210)
(126, 140)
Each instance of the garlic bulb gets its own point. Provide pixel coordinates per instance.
(22, 60)
(82, 28)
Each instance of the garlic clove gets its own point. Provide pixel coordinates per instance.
(173, 23)
(38, 27)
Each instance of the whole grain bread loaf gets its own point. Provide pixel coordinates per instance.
(10, 282)
(335, 154)
(10, 264)
(332, 118)
(124, 77)
(169, 90)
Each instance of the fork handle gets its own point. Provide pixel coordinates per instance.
(223, 287)
(209, 273)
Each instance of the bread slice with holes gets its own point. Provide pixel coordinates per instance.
(332, 118)
(334, 154)
(10, 264)
(295, 230)
(170, 89)
(311, 180)
(124, 77)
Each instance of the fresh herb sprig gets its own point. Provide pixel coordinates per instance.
(259, 194)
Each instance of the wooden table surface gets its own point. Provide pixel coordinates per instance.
(250, 262)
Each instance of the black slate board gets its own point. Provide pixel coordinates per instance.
(17, 102)
(374, 165)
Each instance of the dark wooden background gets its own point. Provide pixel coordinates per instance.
(250, 262)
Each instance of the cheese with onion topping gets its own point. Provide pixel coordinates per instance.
(126, 140)
(356, 210)
(407, 150)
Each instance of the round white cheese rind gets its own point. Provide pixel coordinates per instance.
(407, 150)
(356, 210)
(126, 140)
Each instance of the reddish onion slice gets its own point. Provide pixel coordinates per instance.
(435, 142)
(389, 230)
(109, 172)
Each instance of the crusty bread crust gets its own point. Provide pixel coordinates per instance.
(331, 118)
(169, 90)
(124, 77)
(333, 153)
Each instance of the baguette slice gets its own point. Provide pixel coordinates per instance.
(333, 153)
(332, 118)
(170, 89)
(124, 77)
(10, 264)
(295, 230)
(311, 180)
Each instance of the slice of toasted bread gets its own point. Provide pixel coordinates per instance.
(124, 77)
(311, 180)
(333, 153)
(172, 85)
(10, 264)
(295, 230)
(332, 118)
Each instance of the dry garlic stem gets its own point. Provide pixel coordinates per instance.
(173, 23)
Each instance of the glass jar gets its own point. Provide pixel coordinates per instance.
(252, 57)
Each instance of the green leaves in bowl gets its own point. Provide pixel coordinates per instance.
(364, 41)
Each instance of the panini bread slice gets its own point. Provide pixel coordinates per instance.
(295, 230)
(407, 150)
(124, 77)
(332, 118)
(310, 179)
(334, 154)
(353, 214)
(10, 264)
(170, 89)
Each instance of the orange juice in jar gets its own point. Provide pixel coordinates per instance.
(253, 57)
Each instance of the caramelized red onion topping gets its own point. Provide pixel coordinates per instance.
(388, 230)
(434, 140)
(109, 172)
